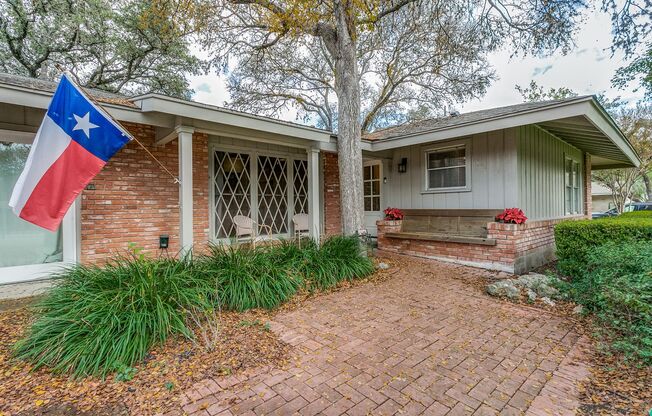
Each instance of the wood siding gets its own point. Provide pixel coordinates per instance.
(541, 172)
(493, 181)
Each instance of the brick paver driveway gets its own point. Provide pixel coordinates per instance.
(422, 342)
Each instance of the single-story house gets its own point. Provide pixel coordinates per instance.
(450, 175)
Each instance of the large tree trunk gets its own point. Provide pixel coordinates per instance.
(347, 88)
(648, 186)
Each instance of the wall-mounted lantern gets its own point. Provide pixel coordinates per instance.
(402, 166)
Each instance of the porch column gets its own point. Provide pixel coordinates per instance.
(314, 204)
(185, 189)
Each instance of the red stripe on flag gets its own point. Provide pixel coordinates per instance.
(60, 185)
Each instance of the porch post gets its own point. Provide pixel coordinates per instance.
(185, 189)
(314, 203)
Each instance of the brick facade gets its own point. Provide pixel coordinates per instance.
(332, 207)
(519, 248)
(135, 201)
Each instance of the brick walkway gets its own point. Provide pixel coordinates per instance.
(422, 342)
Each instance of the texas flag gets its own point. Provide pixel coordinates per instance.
(74, 142)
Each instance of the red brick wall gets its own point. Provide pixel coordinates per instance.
(332, 208)
(518, 249)
(200, 190)
(135, 201)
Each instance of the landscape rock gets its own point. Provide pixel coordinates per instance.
(504, 288)
(541, 284)
(383, 266)
(548, 301)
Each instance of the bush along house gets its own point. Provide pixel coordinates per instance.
(448, 179)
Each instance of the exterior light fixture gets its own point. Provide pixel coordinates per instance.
(402, 166)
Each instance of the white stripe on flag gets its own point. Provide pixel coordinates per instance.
(41, 156)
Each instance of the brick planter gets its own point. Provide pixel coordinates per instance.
(519, 247)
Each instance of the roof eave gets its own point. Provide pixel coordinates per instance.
(205, 112)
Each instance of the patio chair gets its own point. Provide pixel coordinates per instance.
(248, 230)
(301, 223)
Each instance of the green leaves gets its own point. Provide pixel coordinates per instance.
(616, 285)
(575, 239)
(100, 320)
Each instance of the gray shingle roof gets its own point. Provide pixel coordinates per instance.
(434, 124)
(50, 86)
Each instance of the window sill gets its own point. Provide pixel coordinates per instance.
(446, 190)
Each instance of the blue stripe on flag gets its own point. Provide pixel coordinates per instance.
(104, 140)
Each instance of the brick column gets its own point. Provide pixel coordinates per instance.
(588, 203)
(332, 205)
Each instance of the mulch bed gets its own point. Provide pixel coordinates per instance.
(245, 343)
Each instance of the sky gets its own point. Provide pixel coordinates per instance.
(586, 69)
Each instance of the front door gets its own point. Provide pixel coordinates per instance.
(372, 187)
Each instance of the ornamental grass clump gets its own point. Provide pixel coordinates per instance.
(339, 258)
(98, 320)
(249, 278)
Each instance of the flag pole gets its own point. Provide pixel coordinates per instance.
(131, 136)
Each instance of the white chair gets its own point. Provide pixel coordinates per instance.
(247, 229)
(301, 223)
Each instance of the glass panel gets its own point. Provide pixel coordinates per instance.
(376, 203)
(366, 172)
(447, 158)
(231, 181)
(367, 188)
(367, 203)
(21, 243)
(375, 187)
(300, 187)
(273, 193)
(447, 178)
(567, 196)
(375, 171)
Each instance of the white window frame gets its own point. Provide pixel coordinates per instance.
(466, 144)
(71, 227)
(380, 186)
(576, 179)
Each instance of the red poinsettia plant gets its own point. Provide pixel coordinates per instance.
(393, 214)
(512, 216)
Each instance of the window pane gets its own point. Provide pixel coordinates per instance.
(376, 203)
(447, 158)
(567, 196)
(367, 188)
(375, 171)
(567, 171)
(231, 183)
(367, 203)
(366, 172)
(375, 187)
(21, 243)
(447, 178)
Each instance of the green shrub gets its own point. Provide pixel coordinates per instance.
(575, 239)
(103, 319)
(339, 258)
(616, 285)
(637, 214)
(99, 320)
(249, 278)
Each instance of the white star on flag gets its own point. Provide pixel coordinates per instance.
(84, 123)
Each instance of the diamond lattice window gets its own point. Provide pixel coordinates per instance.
(273, 193)
(300, 187)
(232, 184)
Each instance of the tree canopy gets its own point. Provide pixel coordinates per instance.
(415, 58)
(122, 46)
